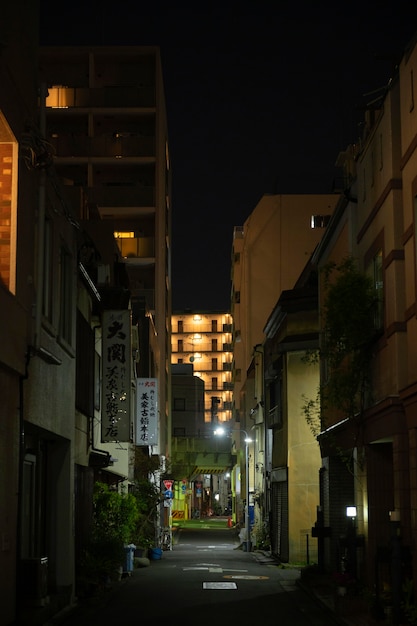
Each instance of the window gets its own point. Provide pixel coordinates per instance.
(319, 221)
(214, 326)
(275, 396)
(179, 404)
(375, 269)
(214, 383)
(47, 270)
(372, 168)
(415, 240)
(65, 300)
(180, 326)
(381, 152)
(180, 345)
(214, 345)
(214, 365)
(8, 205)
(86, 372)
(97, 381)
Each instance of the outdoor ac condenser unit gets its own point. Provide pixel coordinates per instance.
(34, 581)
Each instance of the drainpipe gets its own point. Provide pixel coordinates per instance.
(22, 451)
(41, 227)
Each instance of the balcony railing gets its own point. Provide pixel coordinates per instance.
(275, 417)
(137, 247)
(122, 196)
(103, 146)
(106, 97)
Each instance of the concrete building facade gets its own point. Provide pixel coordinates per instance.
(106, 122)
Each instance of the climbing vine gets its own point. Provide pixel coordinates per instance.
(346, 346)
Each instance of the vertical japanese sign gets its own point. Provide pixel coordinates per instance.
(147, 412)
(116, 359)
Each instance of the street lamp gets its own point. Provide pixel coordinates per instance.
(221, 431)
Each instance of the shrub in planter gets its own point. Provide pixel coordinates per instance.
(114, 519)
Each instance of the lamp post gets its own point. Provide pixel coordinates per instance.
(221, 431)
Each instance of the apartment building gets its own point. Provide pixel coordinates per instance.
(269, 252)
(205, 340)
(377, 227)
(106, 123)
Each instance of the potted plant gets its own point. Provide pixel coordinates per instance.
(113, 525)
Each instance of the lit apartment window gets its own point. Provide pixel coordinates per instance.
(60, 97)
(319, 221)
(8, 205)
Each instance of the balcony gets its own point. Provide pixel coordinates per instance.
(103, 146)
(116, 200)
(275, 417)
(119, 96)
(137, 250)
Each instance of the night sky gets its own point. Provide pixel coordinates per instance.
(261, 98)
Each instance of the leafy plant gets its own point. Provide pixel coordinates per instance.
(409, 606)
(347, 336)
(147, 493)
(114, 518)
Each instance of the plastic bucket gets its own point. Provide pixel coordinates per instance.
(155, 553)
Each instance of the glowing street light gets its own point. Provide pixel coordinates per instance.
(222, 431)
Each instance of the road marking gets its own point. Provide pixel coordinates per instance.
(247, 577)
(219, 586)
(211, 568)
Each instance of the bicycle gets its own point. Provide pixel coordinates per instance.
(166, 539)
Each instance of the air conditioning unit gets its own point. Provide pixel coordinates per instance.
(34, 581)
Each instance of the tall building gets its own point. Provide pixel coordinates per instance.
(205, 340)
(106, 122)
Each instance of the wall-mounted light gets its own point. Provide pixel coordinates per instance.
(351, 511)
(394, 516)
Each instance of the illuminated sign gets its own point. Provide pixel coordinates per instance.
(146, 412)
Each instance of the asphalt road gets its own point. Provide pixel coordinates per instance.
(206, 580)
